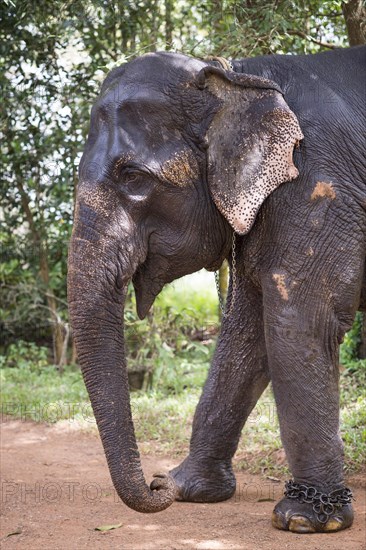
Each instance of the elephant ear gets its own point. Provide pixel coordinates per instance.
(250, 143)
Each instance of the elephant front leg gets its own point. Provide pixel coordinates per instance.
(236, 380)
(302, 345)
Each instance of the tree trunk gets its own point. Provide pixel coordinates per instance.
(154, 25)
(168, 24)
(354, 13)
(57, 329)
(223, 283)
(74, 355)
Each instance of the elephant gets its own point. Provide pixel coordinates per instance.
(259, 161)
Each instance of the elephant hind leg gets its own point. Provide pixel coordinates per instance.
(236, 379)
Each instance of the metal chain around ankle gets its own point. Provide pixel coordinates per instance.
(324, 504)
(233, 274)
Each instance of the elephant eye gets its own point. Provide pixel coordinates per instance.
(132, 178)
(136, 184)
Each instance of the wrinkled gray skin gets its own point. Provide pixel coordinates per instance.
(181, 153)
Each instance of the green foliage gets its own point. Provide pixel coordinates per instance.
(54, 55)
(352, 340)
(353, 381)
(353, 411)
(243, 29)
(176, 341)
(22, 306)
(353, 432)
(25, 355)
(174, 373)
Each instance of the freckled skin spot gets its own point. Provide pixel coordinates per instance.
(100, 200)
(323, 190)
(122, 160)
(279, 279)
(181, 169)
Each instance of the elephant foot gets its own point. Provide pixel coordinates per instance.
(212, 481)
(307, 510)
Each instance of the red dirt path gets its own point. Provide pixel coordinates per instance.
(56, 489)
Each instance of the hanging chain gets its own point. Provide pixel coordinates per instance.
(229, 303)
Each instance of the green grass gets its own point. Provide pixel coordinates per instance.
(163, 422)
(42, 394)
(353, 414)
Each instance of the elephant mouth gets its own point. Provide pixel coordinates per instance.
(146, 290)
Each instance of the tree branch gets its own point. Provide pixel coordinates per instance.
(311, 39)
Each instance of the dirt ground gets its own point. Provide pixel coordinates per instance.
(56, 490)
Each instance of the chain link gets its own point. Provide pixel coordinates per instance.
(324, 505)
(229, 304)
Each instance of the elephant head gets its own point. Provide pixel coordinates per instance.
(178, 155)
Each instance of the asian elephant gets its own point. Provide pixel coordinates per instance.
(184, 158)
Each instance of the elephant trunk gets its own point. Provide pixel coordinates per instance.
(96, 291)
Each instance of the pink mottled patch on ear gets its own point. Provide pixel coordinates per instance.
(250, 152)
(274, 167)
